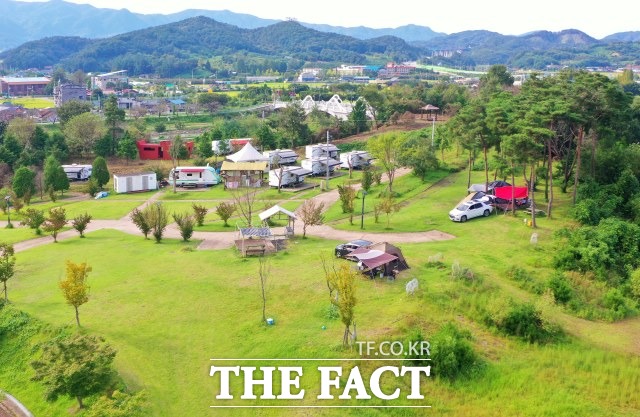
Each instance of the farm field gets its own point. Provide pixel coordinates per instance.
(169, 308)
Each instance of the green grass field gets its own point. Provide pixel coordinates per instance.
(168, 309)
(33, 102)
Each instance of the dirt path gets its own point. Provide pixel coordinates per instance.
(224, 240)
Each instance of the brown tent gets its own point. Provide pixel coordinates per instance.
(379, 256)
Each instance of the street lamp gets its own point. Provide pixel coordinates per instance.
(364, 194)
(7, 200)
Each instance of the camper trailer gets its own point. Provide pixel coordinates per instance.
(281, 156)
(357, 159)
(318, 166)
(291, 176)
(194, 176)
(131, 183)
(77, 172)
(227, 146)
(321, 150)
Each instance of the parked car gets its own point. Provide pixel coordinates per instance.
(469, 210)
(343, 249)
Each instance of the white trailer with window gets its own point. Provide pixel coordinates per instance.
(321, 150)
(194, 176)
(77, 172)
(318, 166)
(281, 157)
(291, 175)
(357, 159)
(131, 183)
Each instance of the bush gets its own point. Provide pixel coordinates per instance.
(92, 187)
(561, 288)
(452, 355)
(160, 127)
(618, 305)
(525, 322)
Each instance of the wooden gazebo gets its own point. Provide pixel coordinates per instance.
(430, 110)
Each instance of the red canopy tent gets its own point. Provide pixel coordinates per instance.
(509, 192)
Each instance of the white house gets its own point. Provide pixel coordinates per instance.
(291, 175)
(77, 172)
(281, 156)
(357, 159)
(318, 166)
(194, 176)
(130, 183)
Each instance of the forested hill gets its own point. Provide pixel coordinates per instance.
(176, 47)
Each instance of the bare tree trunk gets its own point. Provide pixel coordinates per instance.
(80, 403)
(532, 181)
(469, 171)
(550, 176)
(576, 177)
(486, 167)
(513, 190)
(6, 299)
(77, 321)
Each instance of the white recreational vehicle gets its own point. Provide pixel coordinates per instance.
(318, 166)
(357, 159)
(321, 150)
(76, 172)
(130, 183)
(291, 175)
(281, 156)
(194, 176)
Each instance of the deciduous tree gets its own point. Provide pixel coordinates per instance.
(185, 225)
(23, 184)
(140, 220)
(55, 179)
(225, 211)
(77, 366)
(7, 266)
(55, 222)
(74, 287)
(82, 133)
(342, 294)
(80, 223)
(311, 215)
(387, 149)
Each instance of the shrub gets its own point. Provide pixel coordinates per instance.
(561, 288)
(185, 224)
(199, 213)
(452, 355)
(525, 322)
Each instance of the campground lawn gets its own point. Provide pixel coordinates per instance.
(168, 309)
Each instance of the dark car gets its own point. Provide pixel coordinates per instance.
(344, 249)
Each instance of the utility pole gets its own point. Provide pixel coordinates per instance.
(327, 152)
(433, 130)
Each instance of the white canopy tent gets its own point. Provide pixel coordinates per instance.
(265, 215)
(247, 154)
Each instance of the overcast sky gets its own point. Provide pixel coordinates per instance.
(507, 17)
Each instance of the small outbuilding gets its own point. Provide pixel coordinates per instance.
(131, 183)
(243, 174)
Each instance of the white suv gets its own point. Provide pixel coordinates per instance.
(469, 210)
